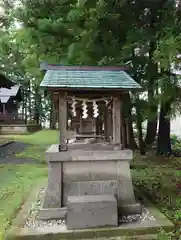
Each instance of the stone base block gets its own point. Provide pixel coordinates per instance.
(52, 213)
(130, 209)
(91, 211)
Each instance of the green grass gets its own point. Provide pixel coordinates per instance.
(160, 180)
(16, 181)
(41, 137)
(15, 184)
(39, 142)
(36, 152)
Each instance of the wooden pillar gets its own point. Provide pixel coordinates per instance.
(55, 101)
(76, 122)
(106, 130)
(116, 115)
(109, 125)
(4, 108)
(81, 125)
(97, 126)
(127, 133)
(63, 121)
(123, 129)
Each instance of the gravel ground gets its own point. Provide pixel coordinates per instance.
(33, 220)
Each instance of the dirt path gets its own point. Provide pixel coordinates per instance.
(8, 154)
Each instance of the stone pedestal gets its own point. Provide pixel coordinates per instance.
(90, 169)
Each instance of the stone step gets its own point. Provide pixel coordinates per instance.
(91, 211)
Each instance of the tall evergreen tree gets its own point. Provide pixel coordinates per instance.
(100, 32)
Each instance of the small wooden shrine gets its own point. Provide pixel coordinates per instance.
(10, 98)
(99, 165)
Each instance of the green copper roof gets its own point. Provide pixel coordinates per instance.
(82, 79)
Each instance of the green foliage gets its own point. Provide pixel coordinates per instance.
(176, 145)
(175, 140)
(165, 236)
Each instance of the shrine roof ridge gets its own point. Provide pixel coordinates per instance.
(47, 66)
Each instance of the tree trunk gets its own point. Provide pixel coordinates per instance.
(163, 141)
(131, 143)
(26, 106)
(131, 140)
(152, 75)
(37, 106)
(151, 132)
(29, 100)
(139, 128)
(23, 104)
(124, 140)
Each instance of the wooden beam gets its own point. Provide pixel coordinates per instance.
(117, 121)
(95, 91)
(63, 121)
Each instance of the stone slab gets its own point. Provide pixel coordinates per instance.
(79, 153)
(110, 187)
(52, 213)
(89, 171)
(130, 209)
(70, 189)
(53, 194)
(88, 136)
(75, 171)
(88, 188)
(102, 170)
(91, 211)
(125, 186)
